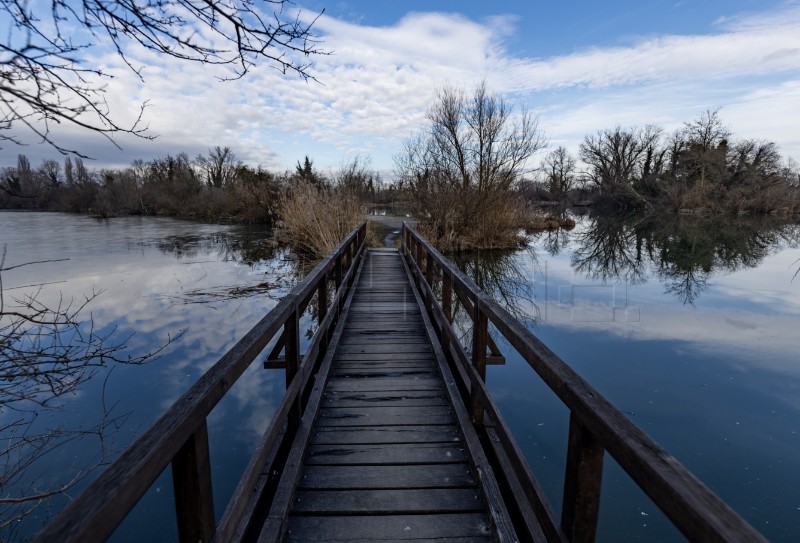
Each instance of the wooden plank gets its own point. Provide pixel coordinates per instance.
(383, 348)
(367, 477)
(279, 508)
(455, 526)
(386, 434)
(387, 502)
(384, 454)
(388, 334)
(371, 363)
(383, 357)
(242, 504)
(384, 416)
(406, 398)
(394, 341)
(504, 530)
(385, 372)
(385, 384)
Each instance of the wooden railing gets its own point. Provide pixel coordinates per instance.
(595, 426)
(180, 436)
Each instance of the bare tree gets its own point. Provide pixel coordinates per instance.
(705, 147)
(45, 77)
(559, 169)
(616, 158)
(219, 167)
(355, 177)
(462, 166)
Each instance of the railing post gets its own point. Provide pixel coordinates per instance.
(337, 272)
(582, 482)
(191, 480)
(292, 331)
(429, 278)
(480, 333)
(322, 299)
(447, 295)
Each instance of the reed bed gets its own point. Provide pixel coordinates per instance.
(314, 218)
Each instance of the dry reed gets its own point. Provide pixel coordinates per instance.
(314, 219)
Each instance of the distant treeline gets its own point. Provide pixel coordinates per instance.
(465, 192)
(214, 187)
(700, 167)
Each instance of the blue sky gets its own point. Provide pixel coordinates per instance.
(581, 66)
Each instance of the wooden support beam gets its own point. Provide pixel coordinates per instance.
(582, 482)
(191, 480)
(492, 360)
(292, 331)
(447, 296)
(479, 336)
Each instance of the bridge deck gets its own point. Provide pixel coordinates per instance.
(387, 459)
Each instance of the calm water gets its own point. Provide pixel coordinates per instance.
(687, 325)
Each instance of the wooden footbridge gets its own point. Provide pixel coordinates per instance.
(386, 431)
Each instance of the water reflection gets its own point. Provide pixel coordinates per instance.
(158, 277)
(688, 325)
(684, 252)
(507, 276)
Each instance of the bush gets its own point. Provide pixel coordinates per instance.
(313, 219)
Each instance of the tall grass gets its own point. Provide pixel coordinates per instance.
(313, 218)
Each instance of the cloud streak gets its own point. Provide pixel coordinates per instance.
(374, 89)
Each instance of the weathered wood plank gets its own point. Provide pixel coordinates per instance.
(366, 477)
(385, 454)
(383, 357)
(385, 416)
(464, 526)
(389, 340)
(377, 373)
(376, 364)
(406, 398)
(504, 530)
(387, 502)
(383, 348)
(385, 384)
(386, 434)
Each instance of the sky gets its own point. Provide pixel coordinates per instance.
(580, 66)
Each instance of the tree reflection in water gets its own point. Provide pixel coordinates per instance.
(684, 252)
(507, 276)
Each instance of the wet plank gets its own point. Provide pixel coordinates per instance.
(386, 453)
(405, 398)
(387, 502)
(385, 416)
(385, 384)
(370, 477)
(386, 434)
(454, 527)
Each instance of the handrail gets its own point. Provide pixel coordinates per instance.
(595, 424)
(180, 436)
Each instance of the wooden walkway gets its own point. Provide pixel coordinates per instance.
(386, 430)
(387, 459)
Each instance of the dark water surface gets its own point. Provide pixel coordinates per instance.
(688, 325)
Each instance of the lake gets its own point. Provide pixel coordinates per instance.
(687, 324)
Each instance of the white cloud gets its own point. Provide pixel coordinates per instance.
(374, 88)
